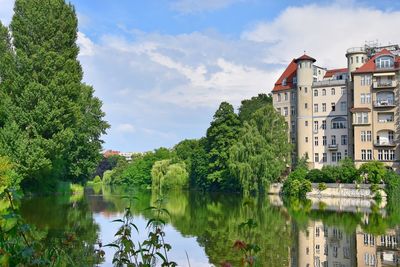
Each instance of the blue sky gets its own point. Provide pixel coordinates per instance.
(161, 67)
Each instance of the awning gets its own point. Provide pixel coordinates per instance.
(384, 74)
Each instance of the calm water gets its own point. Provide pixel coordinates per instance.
(336, 233)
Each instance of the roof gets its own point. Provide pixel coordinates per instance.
(330, 73)
(289, 74)
(360, 109)
(369, 66)
(305, 57)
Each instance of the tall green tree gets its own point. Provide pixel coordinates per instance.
(250, 106)
(262, 152)
(54, 121)
(221, 135)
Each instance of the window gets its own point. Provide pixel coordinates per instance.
(343, 140)
(363, 136)
(369, 154)
(306, 139)
(384, 62)
(317, 248)
(323, 107)
(351, 60)
(316, 157)
(366, 239)
(306, 123)
(356, 59)
(305, 105)
(343, 106)
(343, 90)
(305, 90)
(324, 159)
(368, 98)
(314, 71)
(333, 106)
(324, 124)
(366, 79)
(371, 240)
(345, 153)
(333, 91)
(293, 96)
(369, 136)
(363, 154)
(333, 139)
(324, 140)
(361, 118)
(284, 82)
(293, 111)
(317, 231)
(339, 156)
(384, 154)
(316, 126)
(279, 111)
(294, 80)
(326, 251)
(333, 156)
(279, 98)
(316, 140)
(286, 96)
(315, 107)
(293, 125)
(285, 111)
(339, 123)
(315, 92)
(323, 91)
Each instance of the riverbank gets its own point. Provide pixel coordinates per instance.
(336, 190)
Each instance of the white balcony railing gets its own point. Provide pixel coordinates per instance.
(385, 143)
(384, 103)
(385, 84)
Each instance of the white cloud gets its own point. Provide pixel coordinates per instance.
(6, 11)
(324, 32)
(126, 128)
(86, 46)
(194, 6)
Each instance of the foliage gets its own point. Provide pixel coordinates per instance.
(148, 252)
(322, 186)
(221, 135)
(373, 171)
(262, 152)
(348, 171)
(250, 106)
(109, 163)
(169, 175)
(53, 123)
(107, 177)
(138, 172)
(97, 179)
(296, 185)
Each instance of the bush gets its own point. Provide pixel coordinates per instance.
(375, 171)
(107, 177)
(322, 186)
(297, 185)
(97, 179)
(315, 175)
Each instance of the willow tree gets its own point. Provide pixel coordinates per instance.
(54, 121)
(262, 152)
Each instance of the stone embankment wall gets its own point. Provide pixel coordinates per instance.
(335, 190)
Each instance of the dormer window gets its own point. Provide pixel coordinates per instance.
(384, 62)
(284, 82)
(294, 80)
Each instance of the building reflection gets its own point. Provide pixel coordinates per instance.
(321, 245)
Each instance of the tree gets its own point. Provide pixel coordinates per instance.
(375, 171)
(250, 106)
(169, 175)
(221, 135)
(262, 152)
(348, 171)
(53, 119)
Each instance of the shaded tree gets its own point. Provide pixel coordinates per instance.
(250, 106)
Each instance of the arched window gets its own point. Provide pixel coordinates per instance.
(384, 62)
(339, 123)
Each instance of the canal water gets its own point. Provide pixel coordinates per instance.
(202, 228)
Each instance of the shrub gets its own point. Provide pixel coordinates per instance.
(375, 171)
(322, 186)
(315, 175)
(97, 179)
(107, 177)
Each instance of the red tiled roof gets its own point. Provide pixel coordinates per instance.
(305, 57)
(289, 73)
(369, 66)
(330, 73)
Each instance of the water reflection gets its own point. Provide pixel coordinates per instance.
(290, 233)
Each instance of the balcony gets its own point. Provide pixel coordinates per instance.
(333, 147)
(384, 84)
(389, 143)
(384, 103)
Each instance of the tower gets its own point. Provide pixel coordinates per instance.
(356, 57)
(304, 106)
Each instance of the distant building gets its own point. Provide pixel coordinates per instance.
(109, 153)
(343, 112)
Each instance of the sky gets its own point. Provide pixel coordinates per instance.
(162, 67)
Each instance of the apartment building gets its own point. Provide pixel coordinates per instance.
(335, 113)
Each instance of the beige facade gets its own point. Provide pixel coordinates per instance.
(344, 112)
